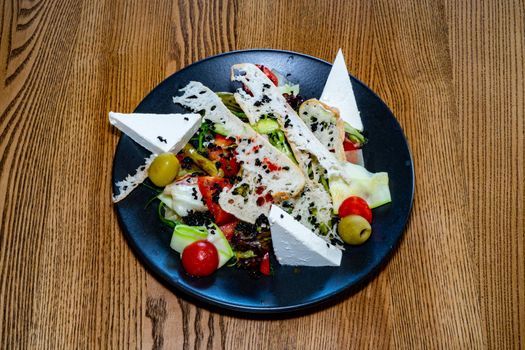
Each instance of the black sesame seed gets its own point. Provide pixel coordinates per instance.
(265, 99)
(197, 218)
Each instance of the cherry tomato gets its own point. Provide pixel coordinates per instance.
(200, 258)
(229, 229)
(265, 265)
(210, 188)
(355, 206)
(269, 74)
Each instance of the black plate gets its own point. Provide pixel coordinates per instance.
(289, 289)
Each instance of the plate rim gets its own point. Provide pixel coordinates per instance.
(197, 297)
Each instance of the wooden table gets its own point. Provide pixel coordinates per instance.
(452, 72)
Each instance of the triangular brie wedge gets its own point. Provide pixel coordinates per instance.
(338, 93)
(296, 245)
(158, 133)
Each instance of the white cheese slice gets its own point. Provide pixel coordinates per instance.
(338, 92)
(296, 245)
(158, 133)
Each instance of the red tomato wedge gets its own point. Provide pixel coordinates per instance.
(223, 141)
(229, 229)
(210, 188)
(269, 74)
(227, 161)
(355, 157)
(355, 206)
(348, 146)
(225, 157)
(265, 265)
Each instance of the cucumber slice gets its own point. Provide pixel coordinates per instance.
(184, 235)
(217, 238)
(220, 129)
(354, 135)
(289, 89)
(373, 188)
(266, 126)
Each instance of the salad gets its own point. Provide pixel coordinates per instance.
(258, 173)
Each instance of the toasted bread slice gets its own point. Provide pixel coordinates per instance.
(325, 124)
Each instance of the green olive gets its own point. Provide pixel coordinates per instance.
(164, 169)
(354, 229)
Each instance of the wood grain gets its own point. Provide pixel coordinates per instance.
(452, 72)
